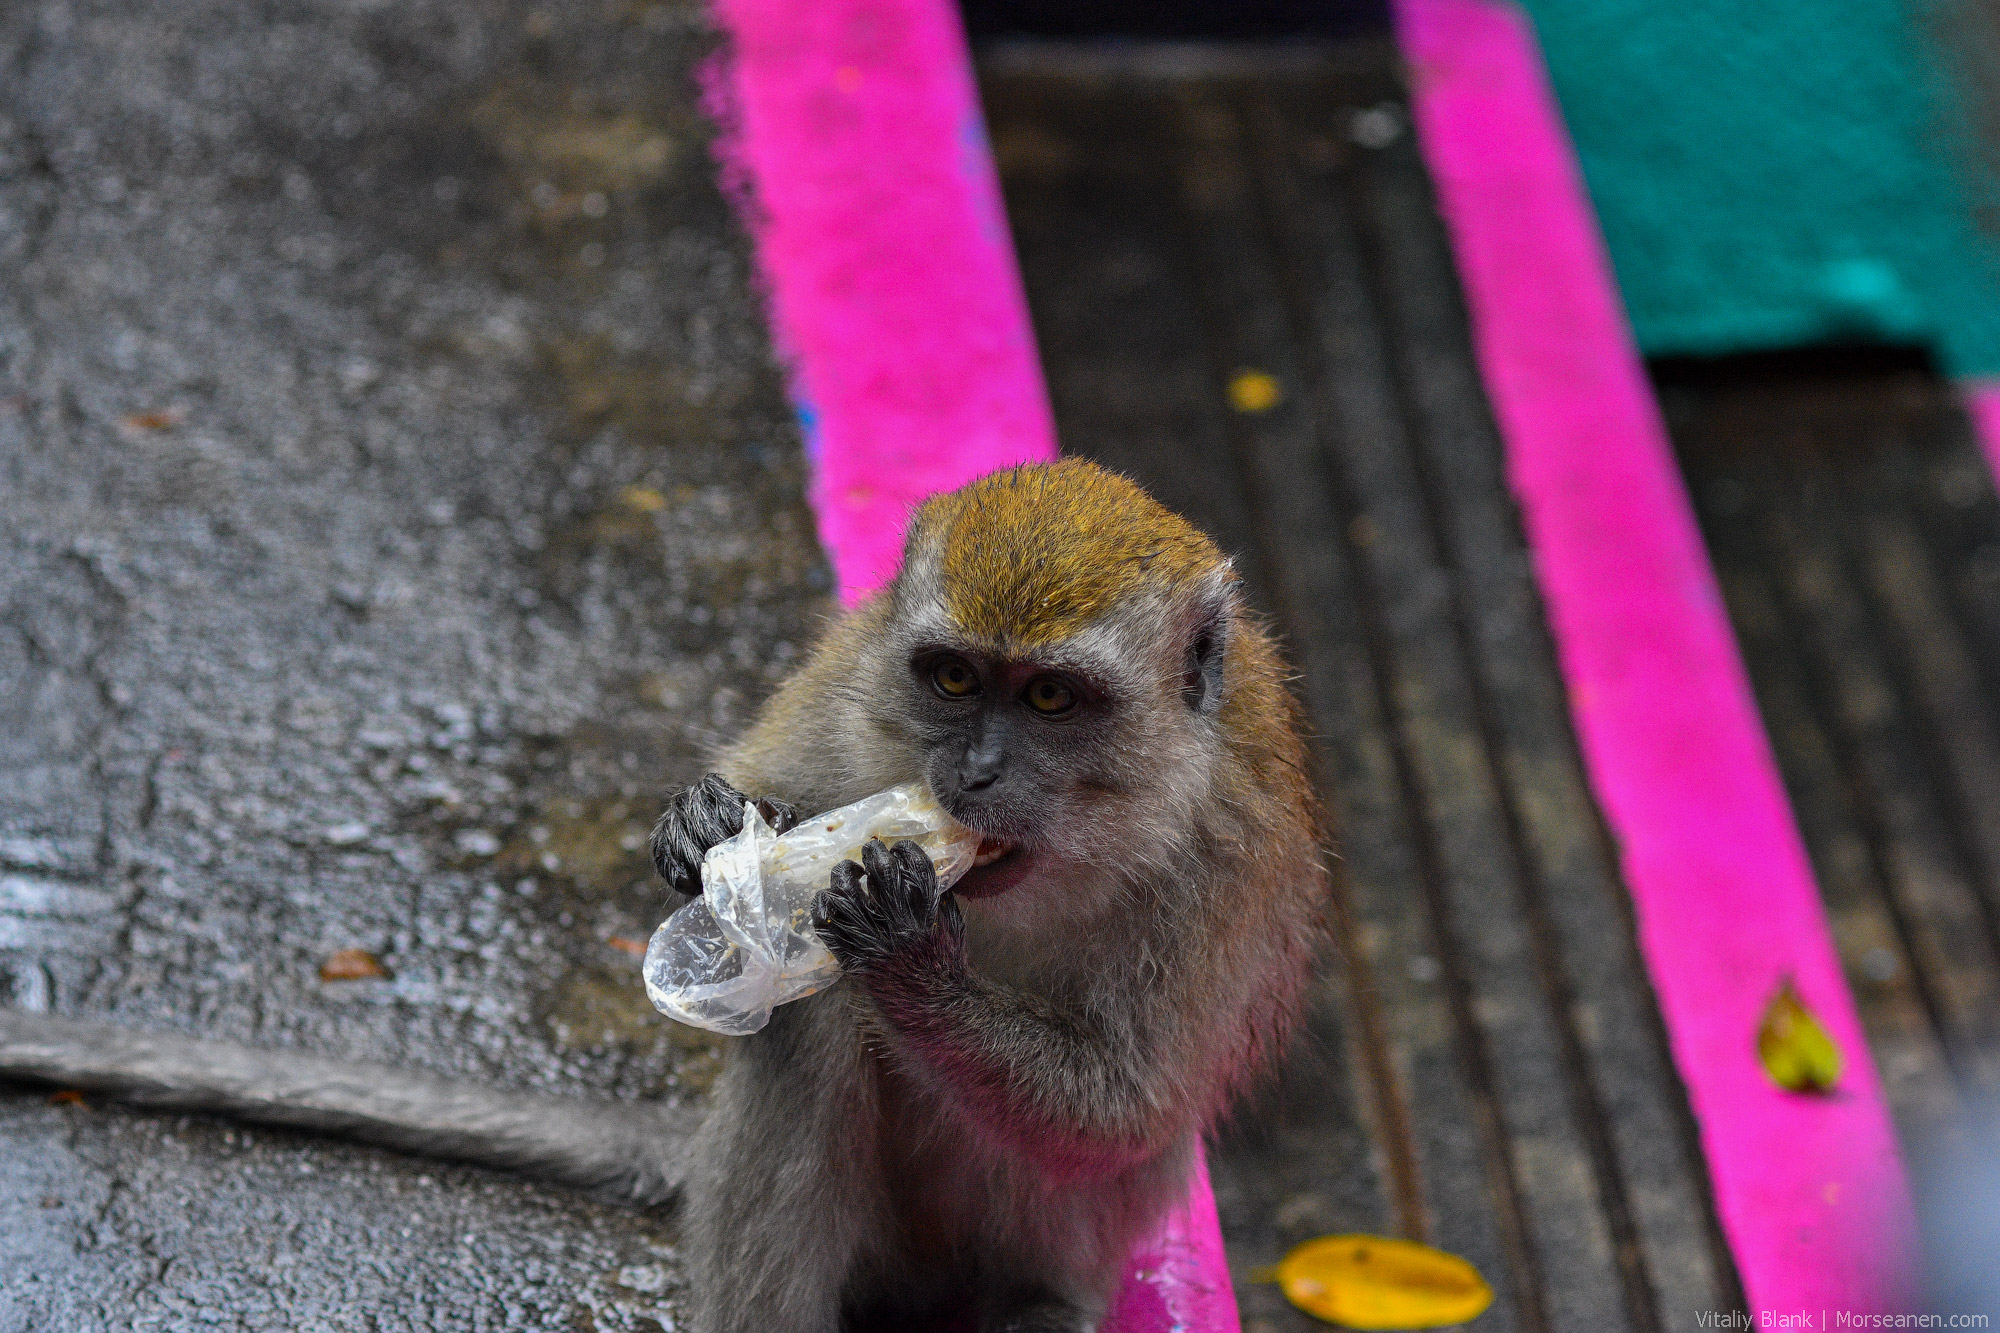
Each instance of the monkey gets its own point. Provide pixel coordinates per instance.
(1072, 669)
(1005, 1089)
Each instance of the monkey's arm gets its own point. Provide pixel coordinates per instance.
(1075, 1087)
(627, 1150)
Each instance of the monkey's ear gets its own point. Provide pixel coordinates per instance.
(1208, 648)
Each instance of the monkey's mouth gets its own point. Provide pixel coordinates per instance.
(991, 850)
(998, 867)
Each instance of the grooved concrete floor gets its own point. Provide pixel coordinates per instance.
(398, 492)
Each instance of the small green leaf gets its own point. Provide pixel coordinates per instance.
(1795, 1050)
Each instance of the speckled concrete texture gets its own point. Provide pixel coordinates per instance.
(396, 493)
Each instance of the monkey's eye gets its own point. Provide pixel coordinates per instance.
(954, 679)
(1049, 696)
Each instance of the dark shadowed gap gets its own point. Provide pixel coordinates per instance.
(1175, 19)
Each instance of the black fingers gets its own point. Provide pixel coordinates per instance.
(696, 818)
(905, 875)
(888, 907)
(782, 816)
(849, 881)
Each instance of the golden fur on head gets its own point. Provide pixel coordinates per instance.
(1035, 553)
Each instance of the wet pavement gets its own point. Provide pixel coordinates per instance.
(396, 493)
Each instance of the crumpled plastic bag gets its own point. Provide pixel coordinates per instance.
(746, 945)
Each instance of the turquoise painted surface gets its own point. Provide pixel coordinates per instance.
(1777, 173)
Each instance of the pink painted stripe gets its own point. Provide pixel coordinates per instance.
(894, 295)
(852, 135)
(1810, 1190)
(1178, 1281)
(1982, 403)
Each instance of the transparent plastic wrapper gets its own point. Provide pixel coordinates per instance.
(746, 945)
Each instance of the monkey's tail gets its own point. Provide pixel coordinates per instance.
(632, 1151)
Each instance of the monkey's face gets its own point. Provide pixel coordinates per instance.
(1086, 753)
(1006, 740)
(1054, 650)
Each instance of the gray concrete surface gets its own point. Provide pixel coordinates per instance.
(396, 492)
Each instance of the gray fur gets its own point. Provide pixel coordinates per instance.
(632, 1152)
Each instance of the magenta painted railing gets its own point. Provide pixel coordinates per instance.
(894, 295)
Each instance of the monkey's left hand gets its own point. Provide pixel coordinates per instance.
(699, 817)
(887, 914)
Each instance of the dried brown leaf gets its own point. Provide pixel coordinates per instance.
(352, 965)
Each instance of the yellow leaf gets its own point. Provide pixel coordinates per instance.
(643, 498)
(1254, 391)
(1376, 1282)
(1795, 1050)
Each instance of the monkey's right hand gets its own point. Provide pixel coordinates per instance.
(887, 914)
(699, 817)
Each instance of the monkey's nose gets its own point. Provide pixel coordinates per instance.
(980, 768)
